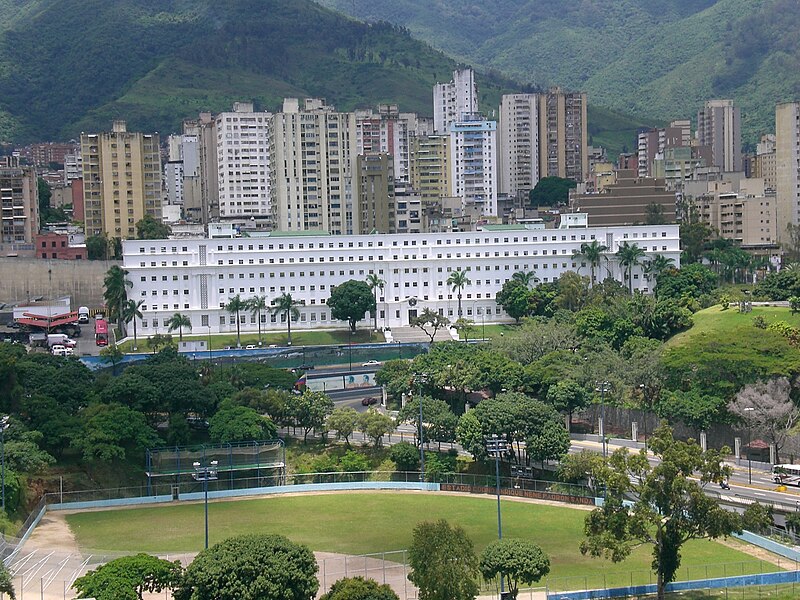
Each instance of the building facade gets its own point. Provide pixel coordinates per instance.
(563, 135)
(740, 211)
(719, 127)
(198, 277)
(430, 166)
(243, 164)
(315, 182)
(376, 193)
(19, 207)
(473, 166)
(787, 165)
(121, 180)
(454, 99)
(518, 151)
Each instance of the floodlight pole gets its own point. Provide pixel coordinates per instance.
(748, 410)
(3, 427)
(495, 446)
(206, 472)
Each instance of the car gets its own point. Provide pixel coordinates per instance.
(369, 401)
(306, 367)
(59, 350)
(371, 363)
(250, 347)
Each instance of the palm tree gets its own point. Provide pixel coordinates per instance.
(629, 256)
(594, 254)
(116, 292)
(236, 305)
(257, 305)
(131, 310)
(656, 266)
(284, 304)
(457, 281)
(526, 278)
(375, 283)
(178, 321)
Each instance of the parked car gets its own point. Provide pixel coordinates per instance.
(306, 367)
(371, 363)
(250, 347)
(59, 350)
(369, 401)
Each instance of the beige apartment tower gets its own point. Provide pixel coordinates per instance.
(121, 180)
(430, 167)
(19, 206)
(518, 152)
(563, 135)
(313, 159)
(787, 165)
(376, 193)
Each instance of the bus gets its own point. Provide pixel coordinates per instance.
(786, 474)
(101, 332)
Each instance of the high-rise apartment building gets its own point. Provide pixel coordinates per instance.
(243, 165)
(719, 127)
(19, 206)
(454, 99)
(787, 165)
(430, 167)
(201, 192)
(563, 135)
(376, 193)
(315, 181)
(73, 167)
(653, 142)
(473, 168)
(121, 180)
(518, 151)
(182, 171)
(386, 131)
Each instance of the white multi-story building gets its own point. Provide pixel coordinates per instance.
(519, 143)
(243, 164)
(473, 164)
(182, 169)
(73, 167)
(197, 277)
(454, 99)
(315, 183)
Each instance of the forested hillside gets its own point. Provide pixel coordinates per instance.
(657, 59)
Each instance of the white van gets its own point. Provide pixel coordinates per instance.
(58, 350)
(83, 314)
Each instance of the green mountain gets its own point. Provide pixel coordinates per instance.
(74, 65)
(658, 59)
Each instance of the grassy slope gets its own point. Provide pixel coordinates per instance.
(375, 522)
(731, 324)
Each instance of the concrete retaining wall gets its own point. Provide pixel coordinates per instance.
(82, 280)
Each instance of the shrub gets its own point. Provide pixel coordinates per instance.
(405, 456)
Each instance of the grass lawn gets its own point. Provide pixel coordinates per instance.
(731, 324)
(359, 523)
(492, 331)
(278, 338)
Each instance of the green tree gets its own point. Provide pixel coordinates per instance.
(6, 585)
(178, 321)
(375, 283)
(97, 247)
(310, 411)
(429, 322)
(405, 456)
(358, 588)
(692, 407)
(656, 266)
(659, 505)
(111, 431)
(232, 423)
(375, 425)
(594, 254)
(629, 256)
(350, 301)
(159, 340)
(584, 467)
(573, 291)
(464, 327)
(113, 355)
(757, 518)
(258, 305)
(549, 442)
(148, 228)
(22, 451)
(794, 304)
(132, 310)
(343, 421)
(470, 435)
(443, 562)
(395, 376)
(551, 191)
(514, 298)
(235, 306)
(438, 421)
(458, 280)
(129, 577)
(286, 307)
(251, 567)
(136, 392)
(116, 291)
(515, 561)
(526, 278)
(567, 396)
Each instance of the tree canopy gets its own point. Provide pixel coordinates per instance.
(516, 561)
(551, 191)
(351, 301)
(129, 577)
(443, 562)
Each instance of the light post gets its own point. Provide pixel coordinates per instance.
(209, 344)
(205, 473)
(3, 427)
(350, 346)
(420, 380)
(496, 447)
(603, 387)
(749, 442)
